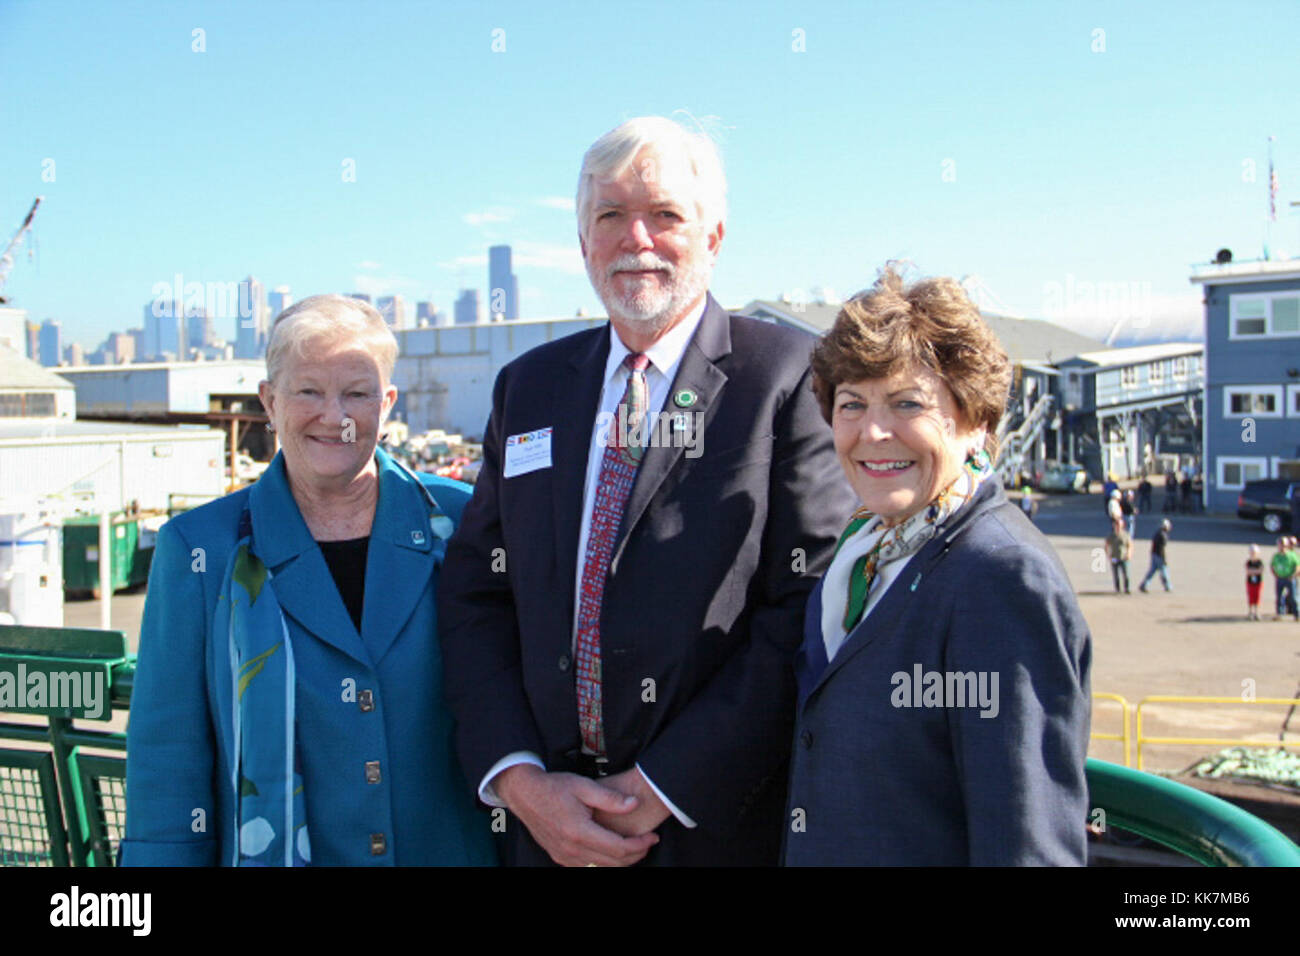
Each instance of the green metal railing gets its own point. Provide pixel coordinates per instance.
(1199, 825)
(59, 803)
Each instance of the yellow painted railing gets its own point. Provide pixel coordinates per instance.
(1124, 737)
(1206, 741)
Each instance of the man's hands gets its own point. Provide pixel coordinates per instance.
(648, 812)
(572, 817)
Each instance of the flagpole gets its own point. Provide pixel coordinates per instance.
(1272, 204)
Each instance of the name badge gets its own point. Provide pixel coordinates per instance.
(530, 451)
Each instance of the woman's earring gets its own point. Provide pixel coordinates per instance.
(270, 426)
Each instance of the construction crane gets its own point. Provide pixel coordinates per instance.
(7, 258)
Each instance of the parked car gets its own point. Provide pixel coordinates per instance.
(1058, 476)
(1268, 501)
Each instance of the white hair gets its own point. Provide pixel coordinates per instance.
(333, 319)
(610, 155)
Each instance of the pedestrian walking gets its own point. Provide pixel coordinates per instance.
(1027, 503)
(1283, 565)
(1254, 579)
(1159, 562)
(1129, 509)
(1119, 548)
(1115, 506)
(1144, 494)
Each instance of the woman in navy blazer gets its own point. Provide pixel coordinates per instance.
(943, 708)
(287, 706)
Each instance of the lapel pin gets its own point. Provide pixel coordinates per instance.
(916, 581)
(685, 398)
(417, 537)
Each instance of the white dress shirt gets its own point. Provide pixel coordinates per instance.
(665, 357)
(835, 588)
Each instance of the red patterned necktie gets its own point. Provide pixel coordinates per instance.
(623, 453)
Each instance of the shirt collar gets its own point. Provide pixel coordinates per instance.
(665, 353)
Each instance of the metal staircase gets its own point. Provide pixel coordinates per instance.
(1015, 443)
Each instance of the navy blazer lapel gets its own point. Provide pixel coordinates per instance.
(885, 614)
(301, 578)
(698, 373)
(400, 558)
(575, 400)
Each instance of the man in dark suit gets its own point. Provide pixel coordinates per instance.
(622, 602)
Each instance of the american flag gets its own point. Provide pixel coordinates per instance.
(1272, 191)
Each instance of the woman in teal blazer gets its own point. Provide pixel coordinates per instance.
(287, 706)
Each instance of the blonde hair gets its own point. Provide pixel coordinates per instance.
(330, 318)
(615, 151)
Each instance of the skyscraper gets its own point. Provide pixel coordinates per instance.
(503, 286)
(164, 331)
(51, 343)
(278, 300)
(199, 332)
(250, 325)
(393, 309)
(467, 307)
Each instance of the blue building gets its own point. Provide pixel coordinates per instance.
(466, 310)
(1252, 383)
(503, 286)
(1135, 410)
(51, 341)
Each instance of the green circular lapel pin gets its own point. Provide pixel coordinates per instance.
(685, 398)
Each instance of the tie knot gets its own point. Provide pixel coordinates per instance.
(637, 361)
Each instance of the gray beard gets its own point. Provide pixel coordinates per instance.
(647, 313)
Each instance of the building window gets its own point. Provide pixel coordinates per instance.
(1156, 373)
(27, 405)
(1262, 401)
(1293, 401)
(1180, 367)
(1235, 472)
(1128, 376)
(1264, 315)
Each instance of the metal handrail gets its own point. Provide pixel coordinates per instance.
(1199, 825)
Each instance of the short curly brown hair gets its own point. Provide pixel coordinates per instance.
(892, 326)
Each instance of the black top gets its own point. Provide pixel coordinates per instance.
(1254, 570)
(347, 563)
(1159, 541)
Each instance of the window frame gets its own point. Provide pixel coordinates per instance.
(1267, 297)
(1220, 461)
(1253, 390)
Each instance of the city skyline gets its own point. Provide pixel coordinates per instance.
(1075, 157)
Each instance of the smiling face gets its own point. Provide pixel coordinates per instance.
(900, 440)
(327, 405)
(649, 254)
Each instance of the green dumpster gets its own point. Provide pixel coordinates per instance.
(130, 562)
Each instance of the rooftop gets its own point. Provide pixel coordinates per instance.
(20, 372)
(27, 430)
(1252, 270)
(1137, 354)
(1027, 341)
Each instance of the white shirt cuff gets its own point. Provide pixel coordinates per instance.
(682, 818)
(485, 791)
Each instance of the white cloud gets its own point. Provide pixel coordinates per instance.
(564, 203)
(369, 265)
(490, 215)
(376, 285)
(547, 255)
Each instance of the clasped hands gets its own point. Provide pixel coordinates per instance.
(580, 822)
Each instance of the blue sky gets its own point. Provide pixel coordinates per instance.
(1002, 139)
